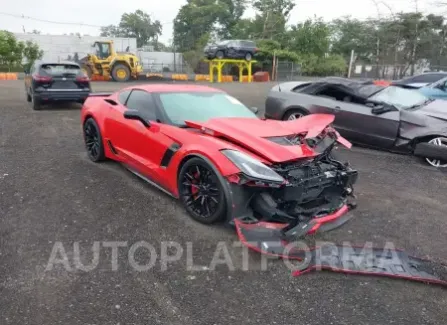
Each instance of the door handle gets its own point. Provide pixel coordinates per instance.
(337, 108)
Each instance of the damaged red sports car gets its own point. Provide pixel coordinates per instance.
(224, 163)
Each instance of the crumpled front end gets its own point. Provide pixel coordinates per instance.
(316, 195)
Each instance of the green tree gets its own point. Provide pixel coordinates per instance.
(141, 26)
(229, 17)
(196, 21)
(111, 31)
(271, 17)
(11, 50)
(137, 25)
(31, 52)
(310, 37)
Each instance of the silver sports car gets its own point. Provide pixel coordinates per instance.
(390, 118)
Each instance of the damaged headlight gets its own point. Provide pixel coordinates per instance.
(252, 167)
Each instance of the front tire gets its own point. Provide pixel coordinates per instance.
(93, 141)
(439, 141)
(294, 114)
(120, 73)
(201, 191)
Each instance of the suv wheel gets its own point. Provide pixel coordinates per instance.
(219, 55)
(248, 56)
(35, 103)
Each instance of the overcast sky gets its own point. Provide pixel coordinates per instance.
(101, 12)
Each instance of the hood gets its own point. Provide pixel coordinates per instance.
(436, 109)
(275, 141)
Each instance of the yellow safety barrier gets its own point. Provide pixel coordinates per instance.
(227, 78)
(149, 75)
(183, 77)
(11, 76)
(202, 77)
(8, 76)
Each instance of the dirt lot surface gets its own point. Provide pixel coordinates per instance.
(50, 192)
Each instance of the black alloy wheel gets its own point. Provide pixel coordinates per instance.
(201, 191)
(93, 141)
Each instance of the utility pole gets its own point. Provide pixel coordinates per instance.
(351, 61)
(415, 40)
(378, 39)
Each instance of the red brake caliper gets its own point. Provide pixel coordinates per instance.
(194, 189)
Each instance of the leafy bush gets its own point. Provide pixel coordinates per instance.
(330, 65)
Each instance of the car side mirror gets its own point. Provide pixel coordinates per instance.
(254, 110)
(382, 109)
(132, 114)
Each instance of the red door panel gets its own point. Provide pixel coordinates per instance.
(139, 147)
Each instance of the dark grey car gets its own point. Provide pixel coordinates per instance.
(47, 82)
(231, 49)
(390, 118)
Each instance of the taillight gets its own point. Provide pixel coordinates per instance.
(82, 79)
(42, 78)
(256, 49)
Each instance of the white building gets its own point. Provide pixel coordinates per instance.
(65, 47)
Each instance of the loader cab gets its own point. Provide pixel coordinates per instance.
(103, 50)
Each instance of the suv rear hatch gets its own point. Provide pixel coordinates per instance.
(62, 77)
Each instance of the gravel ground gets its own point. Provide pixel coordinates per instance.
(50, 192)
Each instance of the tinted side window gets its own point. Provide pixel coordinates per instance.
(122, 97)
(247, 44)
(298, 88)
(142, 101)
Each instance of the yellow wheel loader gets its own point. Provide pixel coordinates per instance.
(108, 64)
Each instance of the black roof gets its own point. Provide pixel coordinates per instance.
(362, 88)
(54, 62)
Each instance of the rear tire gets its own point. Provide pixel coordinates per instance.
(201, 191)
(120, 73)
(35, 103)
(93, 140)
(248, 56)
(294, 114)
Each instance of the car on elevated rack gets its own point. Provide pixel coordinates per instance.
(384, 117)
(206, 148)
(231, 49)
(420, 80)
(47, 82)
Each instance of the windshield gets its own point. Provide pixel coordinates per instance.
(60, 69)
(438, 83)
(200, 107)
(399, 97)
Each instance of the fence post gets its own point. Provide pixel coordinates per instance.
(350, 64)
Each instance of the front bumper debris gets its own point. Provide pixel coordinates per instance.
(273, 239)
(383, 262)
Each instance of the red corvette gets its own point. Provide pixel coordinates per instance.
(224, 163)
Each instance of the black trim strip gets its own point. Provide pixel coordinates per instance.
(112, 148)
(169, 153)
